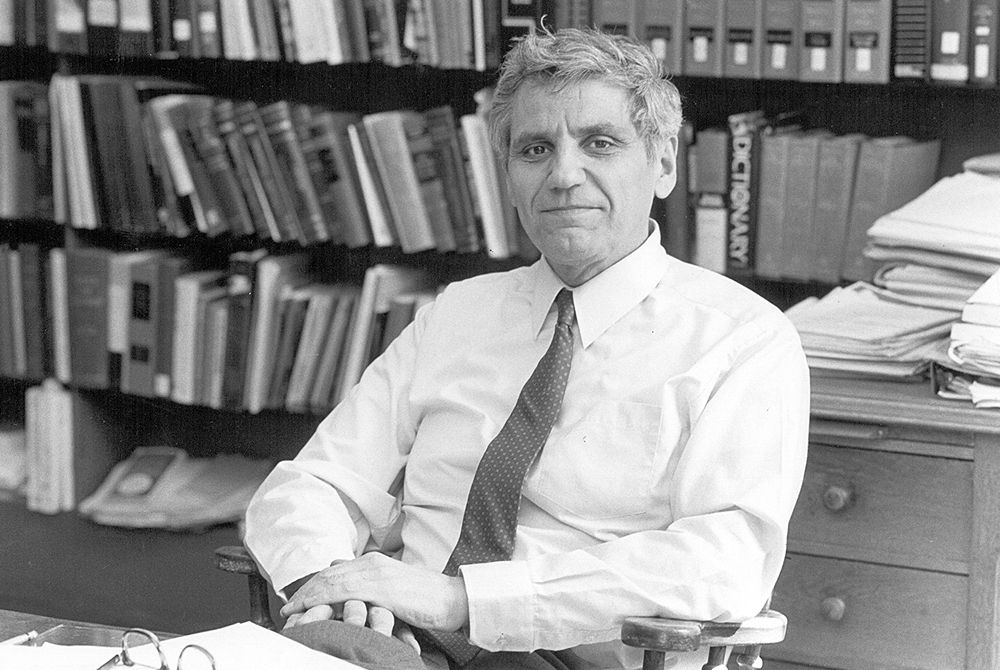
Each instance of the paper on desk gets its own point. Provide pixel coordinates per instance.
(241, 646)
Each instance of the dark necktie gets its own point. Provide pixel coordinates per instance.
(490, 521)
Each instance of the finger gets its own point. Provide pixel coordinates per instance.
(402, 632)
(380, 620)
(292, 621)
(318, 613)
(355, 612)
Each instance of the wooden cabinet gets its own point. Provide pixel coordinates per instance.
(893, 546)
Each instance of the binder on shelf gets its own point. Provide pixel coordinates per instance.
(193, 292)
(243, 270)
(615, 16)
(773, 188)
(983, 41)
(744, 39)
(704, 37)
(781, 39)
(102, 27)
(711, 198)
(384, 232)
(838, 159)
(800, 196)
(87, 274)
(37, 314)
(660, 26)
(206, 39)
(867, 36)
(136, 36)
(68, 32)
(743, 201)
(891, 171)
(911, 39)
(822, 48)
(950, 23)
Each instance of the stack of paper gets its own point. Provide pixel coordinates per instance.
(953, 226)
(865, 331)
(161, 487)
(975, 339)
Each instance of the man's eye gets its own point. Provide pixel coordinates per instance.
(535, 151)
(601, 144)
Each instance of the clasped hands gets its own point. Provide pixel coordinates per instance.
(382, 593)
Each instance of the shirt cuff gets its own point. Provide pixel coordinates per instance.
(500, 605)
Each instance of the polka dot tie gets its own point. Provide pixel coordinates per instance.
(490, 521)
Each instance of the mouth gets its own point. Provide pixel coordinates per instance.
(567, 208)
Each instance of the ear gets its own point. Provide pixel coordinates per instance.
(666, 164)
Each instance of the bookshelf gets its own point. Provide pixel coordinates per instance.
(964, 118)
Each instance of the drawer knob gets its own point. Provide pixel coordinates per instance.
(833, 608)
(837, 498)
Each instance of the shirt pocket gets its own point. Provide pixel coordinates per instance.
(601, 467)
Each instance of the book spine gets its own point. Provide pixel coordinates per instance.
(659, 25)
(911, 39)
(170, 268)
(451, 167)
(36, 321)
(742, 203)
(430, 183)
(615, 16)
(744, 26)
(867, 33)
(950, 21)
(87, 296)
(781, 39)
(261, 216)
(773, 189)
(139, 364)
(704, 34)
(135, 34)
(69, 27)
(822, 56)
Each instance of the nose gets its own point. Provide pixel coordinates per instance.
(567, 169)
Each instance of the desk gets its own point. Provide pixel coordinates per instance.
(14, 623)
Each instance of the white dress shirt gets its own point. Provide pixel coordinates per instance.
(665, 486)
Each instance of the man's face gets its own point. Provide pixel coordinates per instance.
(580, 176)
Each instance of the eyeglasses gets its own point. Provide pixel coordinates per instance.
(151, 657)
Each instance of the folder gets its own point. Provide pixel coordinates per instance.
(704, 32)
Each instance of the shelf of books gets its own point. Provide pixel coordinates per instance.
(214, 214)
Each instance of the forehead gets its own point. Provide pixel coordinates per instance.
(544, 105)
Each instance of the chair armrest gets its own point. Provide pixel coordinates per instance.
(678, 635)
(238, 560)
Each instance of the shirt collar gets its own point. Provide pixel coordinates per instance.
(601, 301)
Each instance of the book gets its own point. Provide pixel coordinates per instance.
(214, 354)
(659, 25)
(313, 40)
(743, 51)
(120, 308)
(141, 173)
(26, 181)
(87, 282)
(102, 27)
(59, 301)
(236, 29)
(403, 155)
(381, 283)
(376, 205)
(891, 171)
(193, 291)
(485, 182)
(206, 39)
(911, 39)
(37, 318)
(241, 281)
(867, 37)
(983, 42)
(743, 191)
(241, 160)
(322, 304)
(382, 31)
(838, 159)
(678, 226)
(136, 36)
(15, 297)
(773, 188)
(800, 196)
(822, 57)
(782, 32)
(147, 367)
(711, 198)
(274, 272)
(950, 55)
(615, 16)
(324, 392)
(291, 165)
(704, 37)
(443, 130)
(327, 152)
(274, 183)
(265, 31)
(293, 304)
(68, 33)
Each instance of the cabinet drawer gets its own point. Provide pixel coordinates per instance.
(885, 507)
(859, 616)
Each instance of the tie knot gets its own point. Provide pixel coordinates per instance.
(567, 312)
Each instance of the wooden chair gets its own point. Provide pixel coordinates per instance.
(656, 636)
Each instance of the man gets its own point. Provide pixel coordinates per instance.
(665, 482)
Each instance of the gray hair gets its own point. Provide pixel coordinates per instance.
(572, 55)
